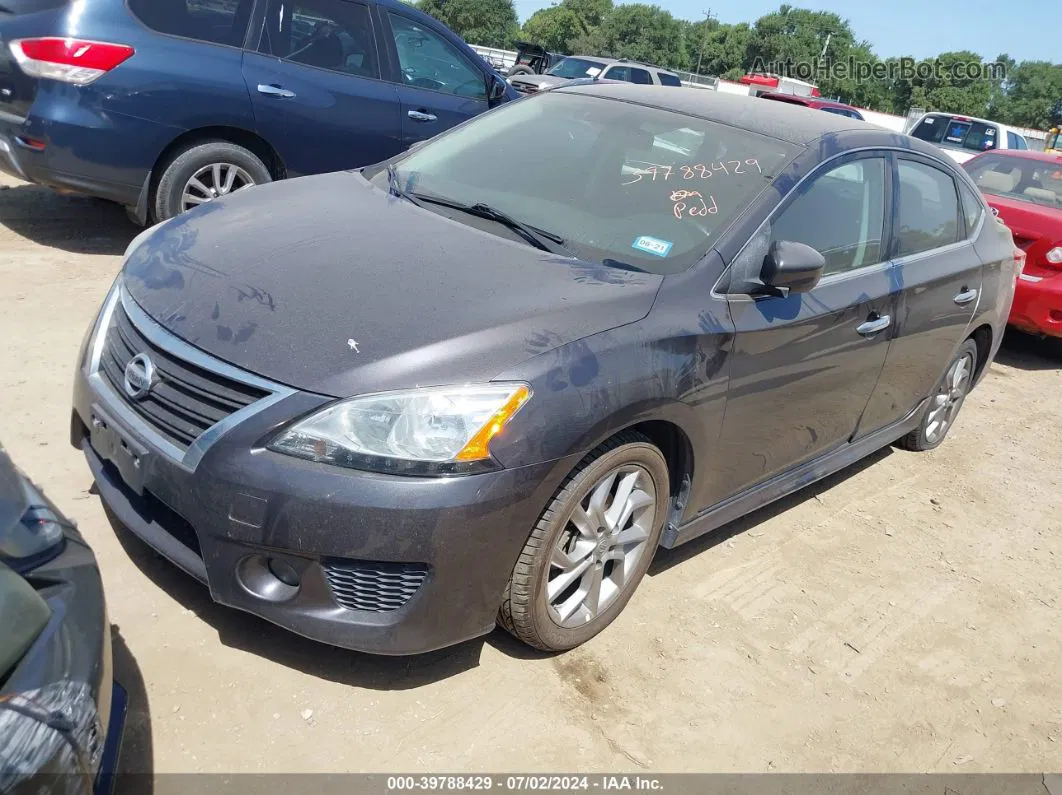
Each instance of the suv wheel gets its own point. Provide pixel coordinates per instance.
(591, 546)
(204, 172)
(945, 402)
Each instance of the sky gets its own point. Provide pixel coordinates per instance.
(901, 27)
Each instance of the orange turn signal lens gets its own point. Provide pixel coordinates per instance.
(478, 447)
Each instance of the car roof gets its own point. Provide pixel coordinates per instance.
(814, 102)
(780, 120)
(610, 61)
(1024, 154)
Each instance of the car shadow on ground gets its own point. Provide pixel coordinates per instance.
(668, 558)
(136, 758)
(1026, 352)
(74, 224)
(240, 630)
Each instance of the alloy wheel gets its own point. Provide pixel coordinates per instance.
(599, 548)
(213, 181)
(945, 404)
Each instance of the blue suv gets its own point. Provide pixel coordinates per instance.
(162, 105)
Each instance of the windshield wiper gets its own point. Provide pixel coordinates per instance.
(396, 187)
(533, 235)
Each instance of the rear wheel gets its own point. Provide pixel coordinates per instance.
(591, 546)
(204, 172)
(945, 402)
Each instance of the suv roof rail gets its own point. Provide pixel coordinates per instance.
(643, 63)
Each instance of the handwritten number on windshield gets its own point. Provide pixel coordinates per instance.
(697, 170)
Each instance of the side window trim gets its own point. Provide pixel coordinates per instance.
(964, 238)
(395, 62)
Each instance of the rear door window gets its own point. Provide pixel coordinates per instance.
(641, 77)
(668, 80)
(929, 209)
(215, 21)
(328, 34)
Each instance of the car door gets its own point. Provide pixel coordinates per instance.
(316, 87)
(438, 85)
(804, 366)
(937, 275)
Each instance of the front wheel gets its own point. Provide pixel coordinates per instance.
(204, 172)
(945, 402)
(591, 546)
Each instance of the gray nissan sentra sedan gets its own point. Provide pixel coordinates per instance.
(484, 382)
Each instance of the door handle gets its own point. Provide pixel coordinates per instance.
(275, 91)
(966, 296)
(420, 115)
(874, 326)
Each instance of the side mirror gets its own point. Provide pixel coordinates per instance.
(496, 89)
(791, 267)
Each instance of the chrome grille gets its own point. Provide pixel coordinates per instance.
(374, 586)
(186, 401)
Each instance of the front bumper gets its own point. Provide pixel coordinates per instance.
(68, 671)
(378, 563)
(1037, 307)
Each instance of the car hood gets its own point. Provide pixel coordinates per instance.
(331, 285)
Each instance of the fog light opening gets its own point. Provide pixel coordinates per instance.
(283, 571)
(271, 579)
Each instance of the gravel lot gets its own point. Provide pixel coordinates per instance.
(903, 615)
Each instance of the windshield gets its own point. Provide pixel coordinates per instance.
(573, 68)
(620, 184)
(1019, 178)
(957, 133)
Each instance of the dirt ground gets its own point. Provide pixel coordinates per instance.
(903, 615)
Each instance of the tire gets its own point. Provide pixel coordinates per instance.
(527, 611)
(521, 70)
(192, 161)
(947, 397)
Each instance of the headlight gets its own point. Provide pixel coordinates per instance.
(37, 533)
(440, 430)
(1054, 256)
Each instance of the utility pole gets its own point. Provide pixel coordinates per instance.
(824, 46)
(704, 38)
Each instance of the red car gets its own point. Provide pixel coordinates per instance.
(1024, 189)
(817, 104)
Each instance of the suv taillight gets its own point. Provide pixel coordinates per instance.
(68, 60)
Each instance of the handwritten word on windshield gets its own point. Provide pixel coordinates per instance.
(690, 204)
(696, 171)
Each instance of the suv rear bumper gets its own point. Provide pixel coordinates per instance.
(88, 152)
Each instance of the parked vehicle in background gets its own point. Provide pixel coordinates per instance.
(61, 713)
(582, 67)
(962, 137)
(533, 59)
(162, 105)
(1025, 191)
(1052, 144)
(582, 316)
(838, 108)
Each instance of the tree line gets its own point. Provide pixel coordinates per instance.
(817, 46)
